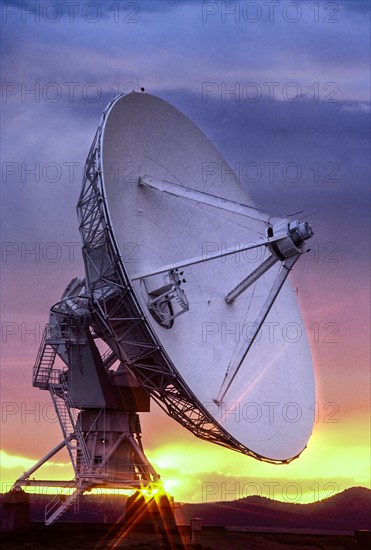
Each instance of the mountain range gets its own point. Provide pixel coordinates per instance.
(343, 512)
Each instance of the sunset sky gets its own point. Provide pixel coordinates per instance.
(283, 90)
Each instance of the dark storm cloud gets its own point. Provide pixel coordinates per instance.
(171, 46)
(175, 54)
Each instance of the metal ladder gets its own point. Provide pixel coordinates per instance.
(56, 507)
(44, 363)
(71, 428)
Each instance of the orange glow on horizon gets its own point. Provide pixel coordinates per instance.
(199, 475)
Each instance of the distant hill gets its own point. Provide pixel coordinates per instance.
(345, 511)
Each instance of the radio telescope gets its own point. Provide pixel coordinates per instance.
(183, 277)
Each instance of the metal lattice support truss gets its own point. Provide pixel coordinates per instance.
(120, 320)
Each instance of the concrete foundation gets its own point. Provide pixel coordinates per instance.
(16, 510)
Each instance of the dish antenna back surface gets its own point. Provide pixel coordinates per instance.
(186, 285)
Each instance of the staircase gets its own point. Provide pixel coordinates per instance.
(109, 358)
(57, 506)
(73, 435)
(43, 372)
(55, 380)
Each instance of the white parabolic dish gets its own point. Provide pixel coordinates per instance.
(269, 408)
